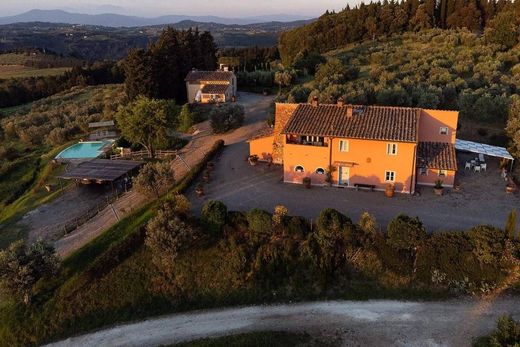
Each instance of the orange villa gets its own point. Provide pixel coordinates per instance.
(367, 146)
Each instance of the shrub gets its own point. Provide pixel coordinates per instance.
(227, 117)
(510, 228)
(280, 214)
(405, 233)
(488, 243)
(260, 225)
(186, 118)
(214, 216)
(177, 205)
(507, 334)
(154, 177)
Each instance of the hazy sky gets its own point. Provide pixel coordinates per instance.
(224, 8)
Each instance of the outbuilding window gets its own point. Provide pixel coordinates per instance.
(423, 171)
(442, 173)
(299, 168)
(320, 171)
(443, 131)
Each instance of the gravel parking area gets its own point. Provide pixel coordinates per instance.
(481, 200)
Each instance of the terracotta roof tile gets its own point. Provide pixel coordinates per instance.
(215, 88)
(437, 155)
(363, 122)
(196, 76)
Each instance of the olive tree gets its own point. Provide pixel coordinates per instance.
(21, 267)
(154, 177)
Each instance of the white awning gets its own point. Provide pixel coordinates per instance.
(475, 147)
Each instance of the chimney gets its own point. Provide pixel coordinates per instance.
(349, 111)
(341, 102)
(315, 101)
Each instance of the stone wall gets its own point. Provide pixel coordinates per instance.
(282, 114)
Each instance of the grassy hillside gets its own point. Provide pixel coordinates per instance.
(34, 64)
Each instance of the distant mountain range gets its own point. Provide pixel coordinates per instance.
(117, 20)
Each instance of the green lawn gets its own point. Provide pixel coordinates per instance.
(19, 71)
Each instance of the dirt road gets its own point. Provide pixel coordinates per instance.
(370, 323)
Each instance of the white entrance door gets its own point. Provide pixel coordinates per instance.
(344, 175)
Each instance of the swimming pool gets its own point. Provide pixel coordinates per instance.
(84, 150)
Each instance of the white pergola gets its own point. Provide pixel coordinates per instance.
(482, 148)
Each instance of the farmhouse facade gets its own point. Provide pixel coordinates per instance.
(361, 145)
(211, 86)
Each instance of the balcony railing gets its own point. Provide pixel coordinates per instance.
(307, 143)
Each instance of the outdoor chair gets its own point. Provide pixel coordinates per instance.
(468, 166)
(477, 168)
(483, 167)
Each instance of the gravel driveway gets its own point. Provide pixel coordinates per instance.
(370, 323)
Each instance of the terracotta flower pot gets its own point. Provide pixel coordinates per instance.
(390, 191)
(438, 191)
(510, 189)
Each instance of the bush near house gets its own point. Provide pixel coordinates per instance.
(226, 117)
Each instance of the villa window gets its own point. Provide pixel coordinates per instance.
(299, 168)
(389, 176)
(442, 173)
(443, 131)
(320, 171)
(391, 148)
(423, 171)
(343, 145)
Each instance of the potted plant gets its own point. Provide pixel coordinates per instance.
(438, 188)
(253, 159)
(390, 190)
(199, 190)
(206, 176)
(307, 182)
(328, 174)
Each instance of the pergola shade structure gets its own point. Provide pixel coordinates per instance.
(101, 170)
(482, 148)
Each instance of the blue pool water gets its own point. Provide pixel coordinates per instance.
(83, 150)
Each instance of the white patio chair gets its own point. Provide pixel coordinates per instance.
(483, 167)
(477, 168)
(468, 166)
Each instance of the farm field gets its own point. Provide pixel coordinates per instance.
(20, 71)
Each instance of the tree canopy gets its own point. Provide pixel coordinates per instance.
(147, 121)
(159, 71)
